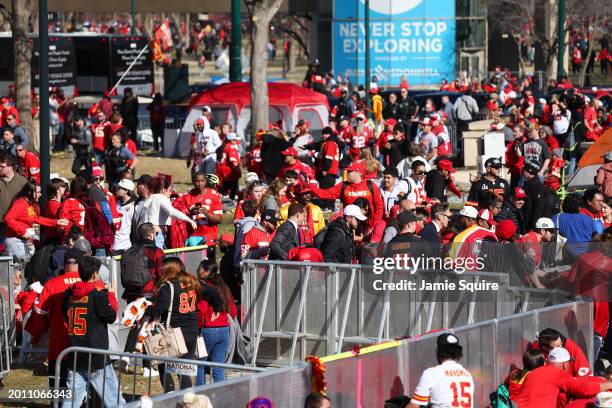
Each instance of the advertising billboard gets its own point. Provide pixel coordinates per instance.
(123, 52)
(412, 39)
(62, 64)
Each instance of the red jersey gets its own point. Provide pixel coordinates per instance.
(351, 193)
(553, 178)
(329, 151)
(29, 167)
(466, 246)
(101, 135)
(346, 134)
(531, 246)
(445, 147)
(228, 168)
(383, 139)
(305, 172)
(50, 304)
(579, 365)
(358, 141)
(206, 312)
(74, 212)
(254, 162)
(256, 238)
(544, 385)
(52, 210)
(131, 146)
(514, 163)
(21, 216)
(209, 199)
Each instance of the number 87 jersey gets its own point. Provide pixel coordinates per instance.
(447, 385)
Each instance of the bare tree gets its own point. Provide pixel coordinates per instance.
(591, 15)
(261, 13)
(19, 19)
(295, 27)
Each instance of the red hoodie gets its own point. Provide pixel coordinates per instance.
(579, 366)
(22, 215)
(206, 312)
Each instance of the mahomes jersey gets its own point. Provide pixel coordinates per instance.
(447, 385)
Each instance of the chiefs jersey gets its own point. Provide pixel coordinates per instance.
(445, 147)
(466, 246)
(49, 305)
(331, 152)
(101, 135)
(445, 385)
(209, 199)
(74, 212)
(228, 168)
(346, 134)
(499, 187)
(254, 162)
(360, 140)
(416, 191)
(531, 246)
(304, 171)
(29, 167)
(256, 238)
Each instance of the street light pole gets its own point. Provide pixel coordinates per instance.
(236, 45)
(367, 52)
(43, 86)
(561, 40)
(133, 13)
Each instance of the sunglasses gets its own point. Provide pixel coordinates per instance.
(98, 178)
(20, 150)
(419, 173)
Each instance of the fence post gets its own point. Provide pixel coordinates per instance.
(346, 311)
(385, 311)
(300, 312)
(263, 313)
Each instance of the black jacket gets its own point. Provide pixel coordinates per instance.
(184, 313)
(499, 186)
(284, 240)
(435, 185)
(396, 153)
(337, 245)
(393, 111)
(510, 212)
(430, 234)
(271, 154)
(538, 203)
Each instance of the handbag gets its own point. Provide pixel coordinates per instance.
(201, 351)
(164, 340)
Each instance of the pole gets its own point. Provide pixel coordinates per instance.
(236, 44)
(561, 40)
(367, 52)
(43, 86)
(128, 69)
(133, 12)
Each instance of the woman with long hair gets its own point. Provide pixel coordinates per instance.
(158, 210)
(274, 197)
(214, 311)
(255, 191)
(20, 219)
(183, 298)
(372, 166)
(55, 194)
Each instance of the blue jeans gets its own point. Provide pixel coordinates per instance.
(160, 240)
(104, 381)
(217, 342)
(99, 157)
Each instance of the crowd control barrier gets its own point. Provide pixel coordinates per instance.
(133, 386)
(293, 310)
(7, 292)
(369, 376)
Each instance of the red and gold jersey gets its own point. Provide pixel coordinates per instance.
(29, 167)
(256, 238)
(74, 212)
(211, 201)
(101, 135)
(330, 151)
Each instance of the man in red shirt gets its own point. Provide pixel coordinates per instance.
(328, 162)
(29, 164)
(101, 135)
(256, 243)
(361, 137)
(545, 386)
(465, 247)
(304, 172)
(346, 131)
(354, 188)
(228, 168)
(8, 109)
(549, 338)
(514, 162)
(203, 204)
(48, 311)
(530, 242)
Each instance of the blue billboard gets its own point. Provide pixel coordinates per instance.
(411, 39)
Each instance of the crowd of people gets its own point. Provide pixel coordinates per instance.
(369, 186)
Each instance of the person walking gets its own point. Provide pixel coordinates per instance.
(129, 112)
(157, 118)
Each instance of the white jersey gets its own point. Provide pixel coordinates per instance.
(447, 385)
(416, 191)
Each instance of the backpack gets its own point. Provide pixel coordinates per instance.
(135, 272)
(97, 230)
(37, 268)
(501, 397)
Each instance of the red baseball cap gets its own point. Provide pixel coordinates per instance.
(446, 165)
(96, 171)
(519, 193)
(505, 230)
(354, 167)
(487, 215)
(390, 121)
(290, 152)
(199, 121)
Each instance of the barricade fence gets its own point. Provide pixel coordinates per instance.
(292, 310)
(369, 376)
(132, 388)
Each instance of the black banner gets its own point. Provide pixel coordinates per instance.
(62, 63)
(124, 50)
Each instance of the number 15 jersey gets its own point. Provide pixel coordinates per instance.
(447, 385)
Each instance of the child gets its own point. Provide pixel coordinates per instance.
(553, 178)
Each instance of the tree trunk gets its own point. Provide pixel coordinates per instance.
(23, 54)
(262, 14)
(294, 49)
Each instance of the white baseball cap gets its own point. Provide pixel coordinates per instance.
(469, 211)
(559, 355)
(251, 177)
(126, 184)
(231, 136)
(206, 108)
(604, 400)
(545, 223)
(353, 211)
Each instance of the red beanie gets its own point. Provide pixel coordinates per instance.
(505, 230)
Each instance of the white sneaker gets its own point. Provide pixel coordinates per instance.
(150, 372)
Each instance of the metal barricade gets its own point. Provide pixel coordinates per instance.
(7, 292)
(293, 310)
(6, 354)
(148, 388)
(370, 376)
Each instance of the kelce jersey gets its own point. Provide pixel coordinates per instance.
(74, 211)
(447, 385)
